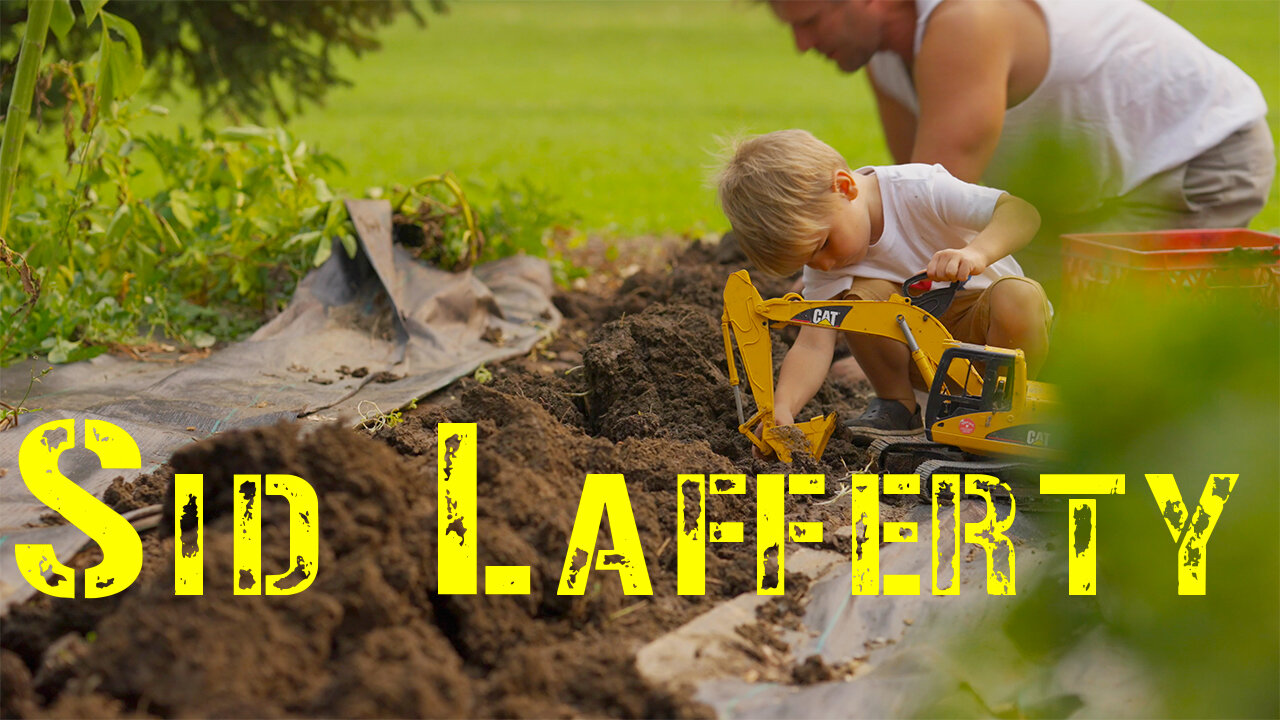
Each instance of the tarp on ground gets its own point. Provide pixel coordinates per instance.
(919, 655)
(380, 329)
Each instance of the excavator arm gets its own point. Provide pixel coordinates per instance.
(748, 318)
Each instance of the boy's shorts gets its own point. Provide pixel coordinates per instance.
(969, 315)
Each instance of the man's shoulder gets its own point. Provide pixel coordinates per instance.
(963, 14)
(952, 29)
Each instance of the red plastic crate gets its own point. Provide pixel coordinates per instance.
(1244, 264)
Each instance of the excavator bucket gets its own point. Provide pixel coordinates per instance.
(811, 435)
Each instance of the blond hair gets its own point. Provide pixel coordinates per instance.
(778, 192)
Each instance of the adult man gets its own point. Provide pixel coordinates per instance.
(1105, 115)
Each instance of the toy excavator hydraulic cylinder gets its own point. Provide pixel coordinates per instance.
(921, 360)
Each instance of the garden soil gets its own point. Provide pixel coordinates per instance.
(634, 383)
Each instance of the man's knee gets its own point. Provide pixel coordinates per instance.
(1227, 185)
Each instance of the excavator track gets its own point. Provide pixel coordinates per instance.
(918, 456)
(1023, 478)
(903, 454)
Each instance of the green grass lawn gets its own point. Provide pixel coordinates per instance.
(615, 106)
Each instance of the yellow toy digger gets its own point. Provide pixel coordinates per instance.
(982, 415)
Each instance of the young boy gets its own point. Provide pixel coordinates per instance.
(793, 202)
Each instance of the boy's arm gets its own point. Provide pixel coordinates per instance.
(1013, 224)
(803, 371)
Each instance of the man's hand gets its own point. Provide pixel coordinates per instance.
(956, 264)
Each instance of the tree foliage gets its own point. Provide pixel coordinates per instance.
(245, 57)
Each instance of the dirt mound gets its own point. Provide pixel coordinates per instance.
(696, 276)
(372, 636)
(657, 374)
(362, 639)
(147, 489)
(663, 373)
(636, 384)
(559, 394)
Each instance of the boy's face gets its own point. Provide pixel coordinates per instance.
(850, 234)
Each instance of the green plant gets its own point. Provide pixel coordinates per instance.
(19, 106)
(244, 213)
(435, 219)
(527, 219)
(240, 216)
(117, 69)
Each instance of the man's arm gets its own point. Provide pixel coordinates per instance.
(899, 123)
(961, 75)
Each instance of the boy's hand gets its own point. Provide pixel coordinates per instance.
(780, 417)
(956, 264)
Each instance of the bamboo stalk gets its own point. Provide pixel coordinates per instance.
(24, 85)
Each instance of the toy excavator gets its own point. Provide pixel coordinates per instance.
(982, 414)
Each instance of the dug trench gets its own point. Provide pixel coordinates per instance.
(634, 383)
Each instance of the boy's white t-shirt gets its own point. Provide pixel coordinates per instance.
(926, 209)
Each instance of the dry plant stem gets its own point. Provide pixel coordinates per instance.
(8, 418)
(30, 285)
(9, 413)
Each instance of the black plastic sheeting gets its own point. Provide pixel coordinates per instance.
(914, 655)
(375, 331)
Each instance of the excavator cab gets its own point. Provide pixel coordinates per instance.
(997, 368)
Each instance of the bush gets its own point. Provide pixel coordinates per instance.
(245, 212)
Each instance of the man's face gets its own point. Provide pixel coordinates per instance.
(846, 31)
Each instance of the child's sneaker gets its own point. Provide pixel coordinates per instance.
(887, 418)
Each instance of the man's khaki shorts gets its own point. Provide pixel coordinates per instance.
(1222, 187)
(967, 319)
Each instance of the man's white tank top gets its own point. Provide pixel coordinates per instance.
(1142, 93)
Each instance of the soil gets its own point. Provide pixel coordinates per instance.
(634, 383)
(145, 490)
